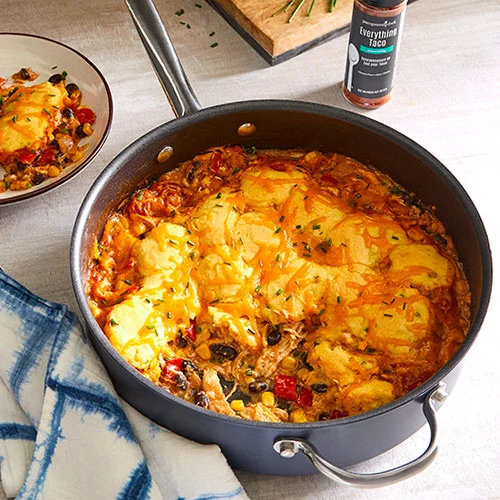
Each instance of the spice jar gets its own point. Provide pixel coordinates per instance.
(373, 48)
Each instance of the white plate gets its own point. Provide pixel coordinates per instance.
(46, 57)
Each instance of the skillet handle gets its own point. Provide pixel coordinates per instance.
(165, 61)
(289, 447)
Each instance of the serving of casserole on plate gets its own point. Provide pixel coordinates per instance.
(55, 114)
(279, 285)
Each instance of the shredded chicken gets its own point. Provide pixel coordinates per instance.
(213, 389)
(269, 360)
(264, 414)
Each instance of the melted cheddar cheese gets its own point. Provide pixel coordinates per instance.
(30, 115)
(41, 127)
(305, 275)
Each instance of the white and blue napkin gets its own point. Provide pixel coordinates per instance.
(64, 432)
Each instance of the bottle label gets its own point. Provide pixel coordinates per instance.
(371, 56)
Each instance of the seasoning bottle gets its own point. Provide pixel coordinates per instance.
(373, 48)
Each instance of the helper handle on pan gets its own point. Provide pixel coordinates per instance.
(288, 448)
(165, 61)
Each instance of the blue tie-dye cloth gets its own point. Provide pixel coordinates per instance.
(65, 434)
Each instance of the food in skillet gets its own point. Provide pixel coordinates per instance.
(41, 127)
(279, 285)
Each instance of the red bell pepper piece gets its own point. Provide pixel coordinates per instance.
(191, 330)
(279, 166)
(85, 115)
(27, 157)
(47, 156)
(330, 180)
(285, 387)
(337, 414)
(216, 162)
(171, 368)
(305, 397)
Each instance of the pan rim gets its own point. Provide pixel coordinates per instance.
(419, 393)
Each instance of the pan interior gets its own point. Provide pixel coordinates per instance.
(278, 126)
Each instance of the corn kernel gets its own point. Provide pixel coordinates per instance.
(87, 129)
(237, 405)
(53, 171)
(310, 156)
(289, 363)
(268, 399)
(203, 336)
(204, 351)
(298, 417)
(302, 374)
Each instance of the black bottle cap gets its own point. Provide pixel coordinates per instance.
(383, 4)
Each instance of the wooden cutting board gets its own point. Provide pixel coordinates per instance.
(274, 37)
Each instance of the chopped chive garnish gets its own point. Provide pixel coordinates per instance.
(172, 289)
(306, 254)
(179, 12)
(148, 300)
(190, 243)
(228, 264)
(173, 213)
(215, 44)
(251, 331)
(394, 237)
(237, 169)
(212, 34)
(404, 306)
(388, 315)
(282, 218)
(191, 255)
(218, 205)
(339, 300)
(188, 26)
(128, 282)
(150, 327)
(169, 314)
(241, 241)
(173, 242)
(278, 258)
(197, 5)
(14, 118)
(64, 130)
(298, 226)
(317, 226)
(248, 373)
(55, 107)
(321, 312)
(278, 230)
(218, 195)
(64, 74)
(279, 292)
(140, 194)
(257, 289)
(114, 322)
(329, 242)
(28, 118)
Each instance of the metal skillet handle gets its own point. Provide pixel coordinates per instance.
(288, 448)
(165, 61)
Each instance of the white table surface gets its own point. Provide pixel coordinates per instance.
(447, 98)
